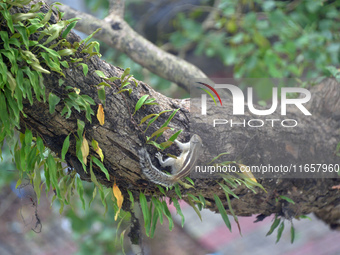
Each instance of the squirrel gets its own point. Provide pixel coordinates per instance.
(181, 166)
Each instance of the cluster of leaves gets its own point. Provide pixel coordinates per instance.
(280, 225)
(21, 70)
(161, 130)
(267, 38)
(125, 80)
(158, 207)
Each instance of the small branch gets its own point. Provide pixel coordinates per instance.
(210, 20)
(116, 8)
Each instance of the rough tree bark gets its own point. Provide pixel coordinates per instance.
(120, 138)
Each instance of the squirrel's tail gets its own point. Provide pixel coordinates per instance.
(151, 172)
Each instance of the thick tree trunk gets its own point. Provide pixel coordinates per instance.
(120, 138)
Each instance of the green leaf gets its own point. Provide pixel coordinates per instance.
(52, 169)
(292, 233)
(202, 199)
(102, 95)
(4, 37)
(158, 146)
(233, 213)
(151, 102)
(40, 146)
(68, 29)
(101, 166)
(159, 207)
(80, 129)
(147, 117)
(64, 64)
(222, 212)
(60, 82)
(24, 36)
(93, 177)
(193, 198)
(170, 118)
(190, 180)
(53, 31)
(89, 37)
(232, 183)
(227, 190)
(80, 190)
(174, 136)
(66, 109)
(177, 190)
(148, 227)
(51, 53)
(305, 217)
(36, 7)
(94, 193)
(287, 199)
(53, 101)
(100, 74)
(13, 108)
(125, 73)
(159, 132)
(66, 52)
(179, 211)
(279, 231)
(145, 211)
(28, 141)
(37, 182)
(132, 200)
(70, 103)
(155, 217)
(168, 215)
(66, 145)
(6, 14)
(124, 90)
(112, 79)
(85, 68)
(39, 68)
(47, 16)
(140, 103)
(22, 16)
(31, 159)
(47, 179)
(11, 82)
(122, 241)
(150, 122)
(191, 203)
(221, 154)
(274, 225)
(161, 189)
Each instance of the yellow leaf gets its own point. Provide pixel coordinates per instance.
(118, 195)
(100, 114)
(76, 90)
(246, 171)
(98, 150)
(85, 150)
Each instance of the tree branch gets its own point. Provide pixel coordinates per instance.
(116, 33)
(120, 138)
(116, 9)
